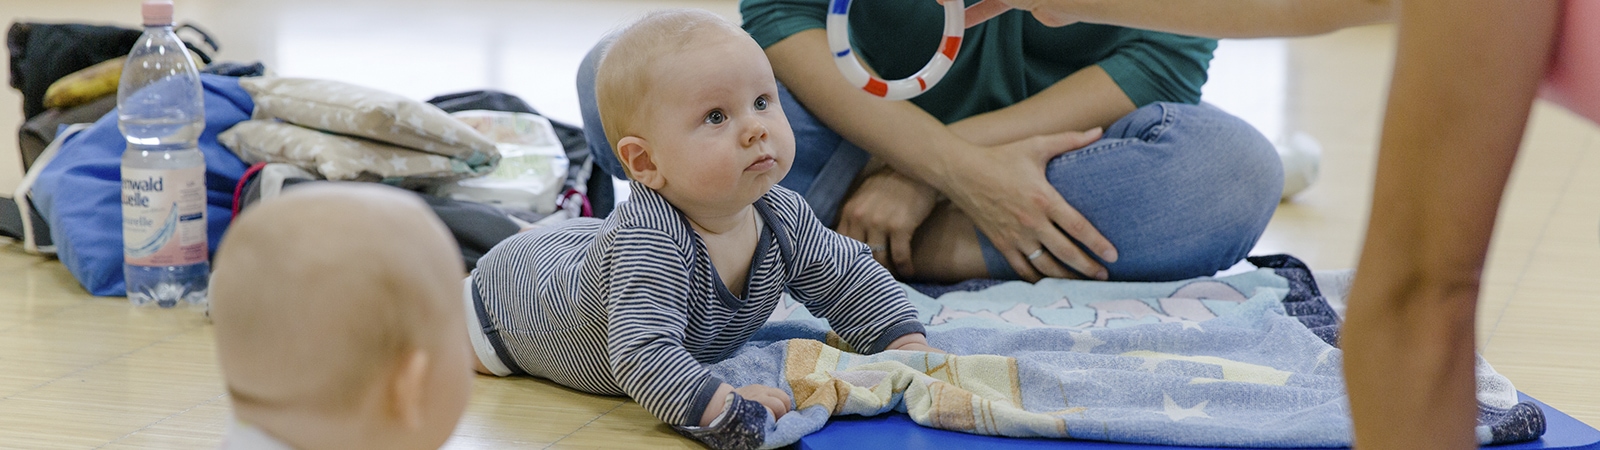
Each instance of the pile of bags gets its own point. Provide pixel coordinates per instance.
(490, 168)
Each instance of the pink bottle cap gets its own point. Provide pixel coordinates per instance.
(157, 12)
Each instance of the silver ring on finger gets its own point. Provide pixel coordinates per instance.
(1036, 254)
(877, 248)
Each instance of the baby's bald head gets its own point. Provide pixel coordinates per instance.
(319, 294)
(627, 74)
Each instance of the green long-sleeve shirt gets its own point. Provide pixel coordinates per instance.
(1002, 61)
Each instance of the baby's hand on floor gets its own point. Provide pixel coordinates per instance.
(776, 400)
(916, 342)
(920, 348)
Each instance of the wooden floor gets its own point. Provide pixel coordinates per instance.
(83, 372)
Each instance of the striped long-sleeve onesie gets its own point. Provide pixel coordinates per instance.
(632, 305)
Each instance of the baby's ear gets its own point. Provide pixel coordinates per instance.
(638, 156)
(406, 390)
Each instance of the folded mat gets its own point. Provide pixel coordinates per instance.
(1240, 361)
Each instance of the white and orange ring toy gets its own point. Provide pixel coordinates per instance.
(916, 84)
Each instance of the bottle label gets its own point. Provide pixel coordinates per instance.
(164, 216)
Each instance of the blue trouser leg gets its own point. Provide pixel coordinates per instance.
(1181, 190)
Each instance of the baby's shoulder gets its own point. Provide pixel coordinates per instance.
(643, 220)
(552, 241)
(790, 209)
(783, 201)
(632, 234)
(782, 195)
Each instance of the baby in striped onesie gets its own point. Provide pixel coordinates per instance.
(683, 273)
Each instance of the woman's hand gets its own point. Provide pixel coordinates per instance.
(1004, 191)
(884, 212)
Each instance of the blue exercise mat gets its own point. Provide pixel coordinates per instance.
(897, 431)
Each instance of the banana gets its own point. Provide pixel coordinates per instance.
(85, 85)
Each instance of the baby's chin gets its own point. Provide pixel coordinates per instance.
(761, 188)
(771, 178)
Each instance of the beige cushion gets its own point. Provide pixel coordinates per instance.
(338, 157)
(345, 108)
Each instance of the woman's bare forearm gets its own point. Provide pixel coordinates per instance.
(1086, 99)
(1466, 72)
(1220, 18)
(897, 132)
(1002, 188)
(903, 136)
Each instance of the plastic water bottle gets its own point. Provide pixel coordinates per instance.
(161, 112)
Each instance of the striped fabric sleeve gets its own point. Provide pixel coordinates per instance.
(646, 297)
(837, 279)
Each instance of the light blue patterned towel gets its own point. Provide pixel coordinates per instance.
(1204, 362)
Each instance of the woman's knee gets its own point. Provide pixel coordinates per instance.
(1181, 190)
(1231, 138)
(1238, 178)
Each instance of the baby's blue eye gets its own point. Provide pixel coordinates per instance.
(761, 103)
(715, 117)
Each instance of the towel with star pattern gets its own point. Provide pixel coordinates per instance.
(1240, 361)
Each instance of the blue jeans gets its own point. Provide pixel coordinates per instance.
(1181, 190)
